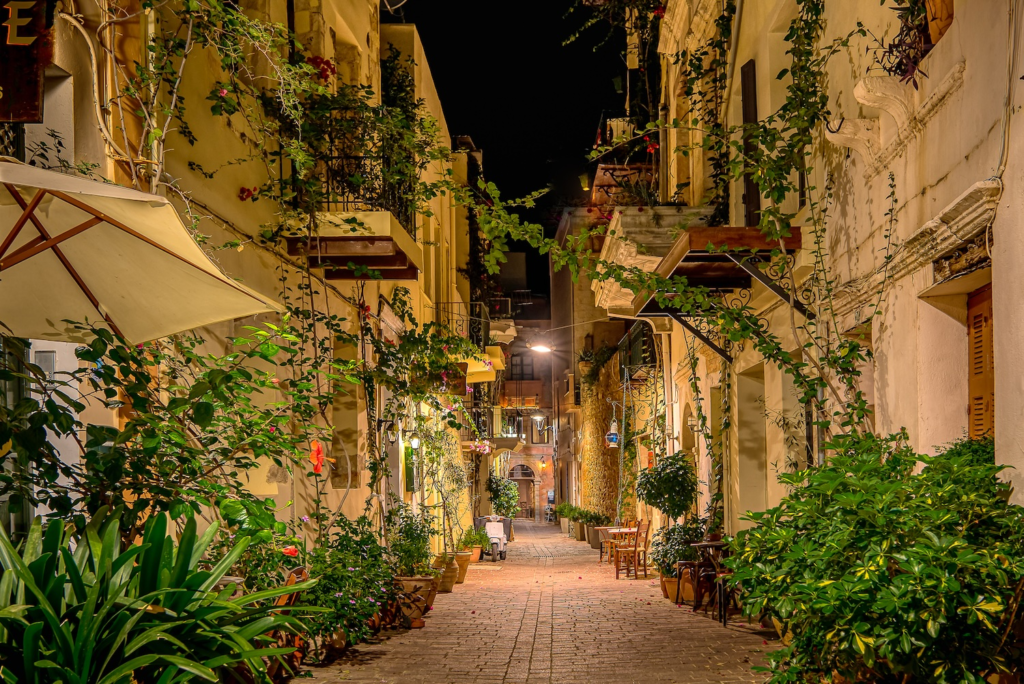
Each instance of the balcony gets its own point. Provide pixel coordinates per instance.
(348, 246)
(523, 393)
(624, 185)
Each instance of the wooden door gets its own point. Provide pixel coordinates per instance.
(981, 378)
(748, 97)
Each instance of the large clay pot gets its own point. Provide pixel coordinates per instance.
(671, 587)
(564, 522)
(664, 589)
(415, 590)
(475, 553)
(449, 577)
(581, 531)
(432, 594)
(462, 559)
(594, 537)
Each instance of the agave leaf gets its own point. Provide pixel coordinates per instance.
(185, 545)
(150, 565)
(12, 562)
(273, 593)
(204, 542)
(154, 634)
(224, 565)
(117, 673)
(30, 649)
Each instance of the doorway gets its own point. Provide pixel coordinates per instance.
(523, 476)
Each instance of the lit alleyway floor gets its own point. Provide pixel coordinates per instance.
(551, 614)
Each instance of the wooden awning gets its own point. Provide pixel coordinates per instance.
(348, 246)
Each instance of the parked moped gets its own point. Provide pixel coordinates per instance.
(495, 526)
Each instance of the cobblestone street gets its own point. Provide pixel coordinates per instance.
(552, 614)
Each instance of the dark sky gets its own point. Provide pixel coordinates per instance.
(531, 104)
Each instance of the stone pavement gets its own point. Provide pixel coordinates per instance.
(551, 614)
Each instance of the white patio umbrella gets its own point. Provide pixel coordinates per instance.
(75, 249)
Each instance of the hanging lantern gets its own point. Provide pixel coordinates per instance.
(611, 440)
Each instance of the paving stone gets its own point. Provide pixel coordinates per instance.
(553, 615)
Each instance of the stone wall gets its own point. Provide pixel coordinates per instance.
(599, 470)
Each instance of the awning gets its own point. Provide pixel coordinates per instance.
(75, 249)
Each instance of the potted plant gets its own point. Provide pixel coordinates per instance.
(672, 545)
(579, 517)
(474, 540)
(563, 511)
(593, 535)
(408, 536)
(462, 559)
(448, 570)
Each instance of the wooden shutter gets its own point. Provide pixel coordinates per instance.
(748, 95)
(981, 380)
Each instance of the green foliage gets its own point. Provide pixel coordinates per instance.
(598, 360)
(194, 424)
(881, 573)
(75, 608)
(564, 510)
(408, 537)
(504, 494)
(673, 544)
(670, 485)
(474, 537)
(354, 581)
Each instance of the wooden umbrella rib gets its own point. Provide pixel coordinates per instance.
(27, 210)
(36, 245)
(117, 224)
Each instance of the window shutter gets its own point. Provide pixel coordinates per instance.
(981, 378)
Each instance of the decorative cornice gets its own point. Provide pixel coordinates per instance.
(897, 99)
(961, 221)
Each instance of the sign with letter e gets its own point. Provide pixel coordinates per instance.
(26, 49)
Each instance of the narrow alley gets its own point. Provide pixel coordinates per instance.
(551, 613)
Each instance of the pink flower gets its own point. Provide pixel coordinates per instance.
(290, 551)
(222, 92)
(316, 455)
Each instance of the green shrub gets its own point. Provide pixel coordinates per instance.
(474, 537)
(409, 541)
(883, 574)
(673, 544)
(354, 581)
(78, 609)
(504, 495)
(564, 510)
(670, 485)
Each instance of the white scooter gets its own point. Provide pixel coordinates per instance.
(495, 528)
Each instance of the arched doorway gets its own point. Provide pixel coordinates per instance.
(524, 479)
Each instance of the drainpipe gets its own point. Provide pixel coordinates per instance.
(663, 152)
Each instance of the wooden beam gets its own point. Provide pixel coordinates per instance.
(27, 212)
(37, 245)
(341, 246)
(399, 260)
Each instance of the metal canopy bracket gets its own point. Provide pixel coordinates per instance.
(748, 262)
(701, 336)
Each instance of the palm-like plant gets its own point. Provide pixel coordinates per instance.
(77, 609)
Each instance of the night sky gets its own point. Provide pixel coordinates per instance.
(531, 104)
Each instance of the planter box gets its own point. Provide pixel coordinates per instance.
(579, 531)
(678, 590)
(564, 522)
(594, 537)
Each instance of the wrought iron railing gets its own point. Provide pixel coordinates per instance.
(352, 183)
(636, 350)
(479, 324)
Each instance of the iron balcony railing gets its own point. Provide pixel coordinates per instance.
(362, 183)
(473, 323)
(636, 351)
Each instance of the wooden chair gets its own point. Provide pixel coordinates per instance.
(632, 553)
(607, 544)
(284, 667)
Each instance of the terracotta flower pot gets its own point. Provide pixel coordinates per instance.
(664, 589)
(462, 559)
(671, 588)
(476, 552)
(413, 602)
(449, 578)
(432, 594)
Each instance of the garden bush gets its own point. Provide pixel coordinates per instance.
(504, 495)
(355, 581)
(670, 485)
(75, 608)
(881, 573)
(674, 543)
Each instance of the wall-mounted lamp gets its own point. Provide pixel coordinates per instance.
(692, 423)
(414, 440)
(611, 440)
(390, 430)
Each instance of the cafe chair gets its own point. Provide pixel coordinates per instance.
(631, 553)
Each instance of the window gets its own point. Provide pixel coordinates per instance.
(47, 362)
(748, 96)
(522, 367)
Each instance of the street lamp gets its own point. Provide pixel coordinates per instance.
(539, 347)
(414, 440)
(390, 430)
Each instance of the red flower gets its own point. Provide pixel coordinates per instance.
(290, 551)
(244, 194)
(659, 12)
(316, 455)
